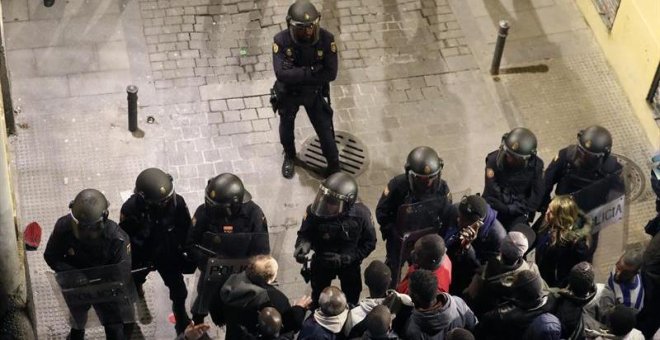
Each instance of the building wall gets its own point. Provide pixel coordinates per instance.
(633, 50)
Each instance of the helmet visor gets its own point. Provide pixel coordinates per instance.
(327, 204)
(586, 159)
(305, 33)
(87, 231)
(423, 184)
(507, 158)
(217, 210)
(160, 202)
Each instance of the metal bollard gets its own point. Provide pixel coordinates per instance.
(499, 47)
(132, 91)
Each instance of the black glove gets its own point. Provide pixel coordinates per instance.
(385, 231)
(301, 251)
(331, 260)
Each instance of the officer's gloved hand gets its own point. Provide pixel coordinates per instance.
(331, 260)
(301, 251)
(316, 68)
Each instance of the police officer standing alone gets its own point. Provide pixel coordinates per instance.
(420, 185)
(514, 178)
(581, 165)
(228, 210)
(305, 62)
(157, 221)
(340, 231)
(86, 238)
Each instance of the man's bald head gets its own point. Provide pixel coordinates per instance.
(332, 301)
(270, 322)
(262, 268)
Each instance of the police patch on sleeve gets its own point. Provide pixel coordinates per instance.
(275, 48)
(128, 248)
(386, 191)
(333, 47)
(556, 158)
(490, 173)
(305, 216)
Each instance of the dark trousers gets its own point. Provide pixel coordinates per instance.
(109, 315)
(349, 277)
(173, 279)
(393, 257)
(319, 116)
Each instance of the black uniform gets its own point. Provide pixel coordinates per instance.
(351, 236)
(65, 252)
(157, 239)
(249, 220)
(516, 195)
(298, 85)
(570, 179)
(396, 194)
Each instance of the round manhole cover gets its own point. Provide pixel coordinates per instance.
(352, 154)
(634, 177)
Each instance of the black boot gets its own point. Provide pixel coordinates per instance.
(49, 3)
(288, 167)
(76, 334)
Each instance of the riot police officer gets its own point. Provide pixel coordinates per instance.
(579, 166)
(514, 178)
(414, 200)
(305, 62)
(86, 238)
(340, 231)
(157, 220)
(228, 210)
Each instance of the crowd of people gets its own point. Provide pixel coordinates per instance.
(467, 273)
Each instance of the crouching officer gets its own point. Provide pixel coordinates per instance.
(340, 231)
(157, 220)
(417, 199)
(514, 178)
(578, 166)
(305, 62)
(228, 212)
(86, 238)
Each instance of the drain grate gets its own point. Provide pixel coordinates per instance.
(353, 156)
(635, 178)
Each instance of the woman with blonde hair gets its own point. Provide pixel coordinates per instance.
(564, 240)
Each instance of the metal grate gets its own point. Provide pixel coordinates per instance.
(634, 177)
(607, 10)
(352, 154)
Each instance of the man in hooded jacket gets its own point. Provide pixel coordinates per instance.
(435, 313)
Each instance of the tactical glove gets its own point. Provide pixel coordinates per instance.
(301, 251)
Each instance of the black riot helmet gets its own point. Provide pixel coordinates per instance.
(336, 196)
(225, 195)
(517, 148)
(89, 212)
(154, 188)
(423, 169)
(303, 21)
(594, 146)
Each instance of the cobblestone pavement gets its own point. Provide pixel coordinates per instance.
(411, 73)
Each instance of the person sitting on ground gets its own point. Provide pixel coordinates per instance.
(572, 300)
(246, 293)
(429, 253)
(460, 334)
(379, 325)
(511, 319)
(435, 313)
(625, 280)
(327, 322)
(621, 326)
(493, 285)
(544, 327)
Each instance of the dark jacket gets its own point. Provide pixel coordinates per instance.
(569, 179)
(569, 310)
(352, 234)
(65, 252)
(509, 321)
(157, 237)
(397, 193)
(513, 192)
(242, 298)
(433, 324)
(313, 329)
(544, 327)
(243, 235)
(292, 62)
(388, 336)
(647, 319)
